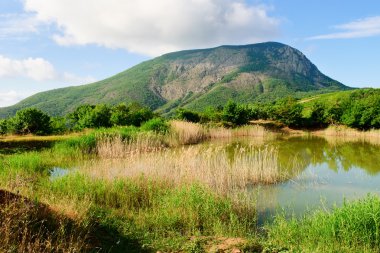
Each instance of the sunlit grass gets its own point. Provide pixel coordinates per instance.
(354, 227)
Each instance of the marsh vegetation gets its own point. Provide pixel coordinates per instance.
(187, 187)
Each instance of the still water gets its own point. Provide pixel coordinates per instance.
(321, 173)
(324, 174)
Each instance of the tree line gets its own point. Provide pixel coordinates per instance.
(35, 121)
(360, 110)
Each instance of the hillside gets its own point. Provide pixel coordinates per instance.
(196, 79)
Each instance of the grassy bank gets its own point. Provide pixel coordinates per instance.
(143, 190)
(354, 227)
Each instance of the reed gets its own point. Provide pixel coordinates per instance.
(116, 147)
(243, 131)
(220, 169)
(183, 133)
(346, 134)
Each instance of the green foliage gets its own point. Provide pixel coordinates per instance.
(288, 112)
(3, 126)
(138, 117)
(157, 125)
(30, 121)
(318, 116)
(235, 113)
(58, 125)
(187, 115)
(352, 228)
(119, 115)
(363, 110)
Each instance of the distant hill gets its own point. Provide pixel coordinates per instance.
(196, 79)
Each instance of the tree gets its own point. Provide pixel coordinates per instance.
(235, 113)
(188, 115)
(288, 112)
(81, 118)
(3, 126)
(100, 116)
(119, 115)
(318, 114)
(30, 121)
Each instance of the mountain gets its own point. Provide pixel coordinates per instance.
(196, 79)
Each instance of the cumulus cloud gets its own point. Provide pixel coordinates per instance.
(9, 98)
(37, 69)
(367, 27)
(153, 27)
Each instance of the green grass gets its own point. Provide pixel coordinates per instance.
(354, 227)
(153, 212)
(145, 215)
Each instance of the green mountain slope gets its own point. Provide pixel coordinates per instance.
(196, 79)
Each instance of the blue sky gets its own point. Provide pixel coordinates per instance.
(46, 44)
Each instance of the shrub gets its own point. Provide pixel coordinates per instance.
(157, 125)
(187, 115)
(235, 113)
(30, 121)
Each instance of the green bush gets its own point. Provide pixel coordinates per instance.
(187, 115)
(288, 112)
(3, 126)
(235, 113)
(30, 121)
(157, 125)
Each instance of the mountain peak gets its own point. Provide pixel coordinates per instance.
(197, 79)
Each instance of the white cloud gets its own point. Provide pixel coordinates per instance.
(16, 25)
(154, 27)
(37, 69)
(367, 27)
(9, 98)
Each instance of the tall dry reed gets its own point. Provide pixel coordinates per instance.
(248, 130)
(186, 133)
(220, 169)
(338, 134)
(115, 147)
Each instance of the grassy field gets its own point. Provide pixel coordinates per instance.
(140, 191)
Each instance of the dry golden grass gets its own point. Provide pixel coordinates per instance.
(186, 133)
(26, 226)
(116, 147)
(336, 134)
(191, 133)
(248, 130)
(216, 167)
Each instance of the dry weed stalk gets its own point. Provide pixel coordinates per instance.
(116, 147)
(338, 134)
(213, 166)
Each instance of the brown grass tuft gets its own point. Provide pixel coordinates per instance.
(27, 226)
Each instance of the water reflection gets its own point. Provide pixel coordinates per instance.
(327, 173)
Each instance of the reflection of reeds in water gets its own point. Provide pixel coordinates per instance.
(214, 167)
(336, 134)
